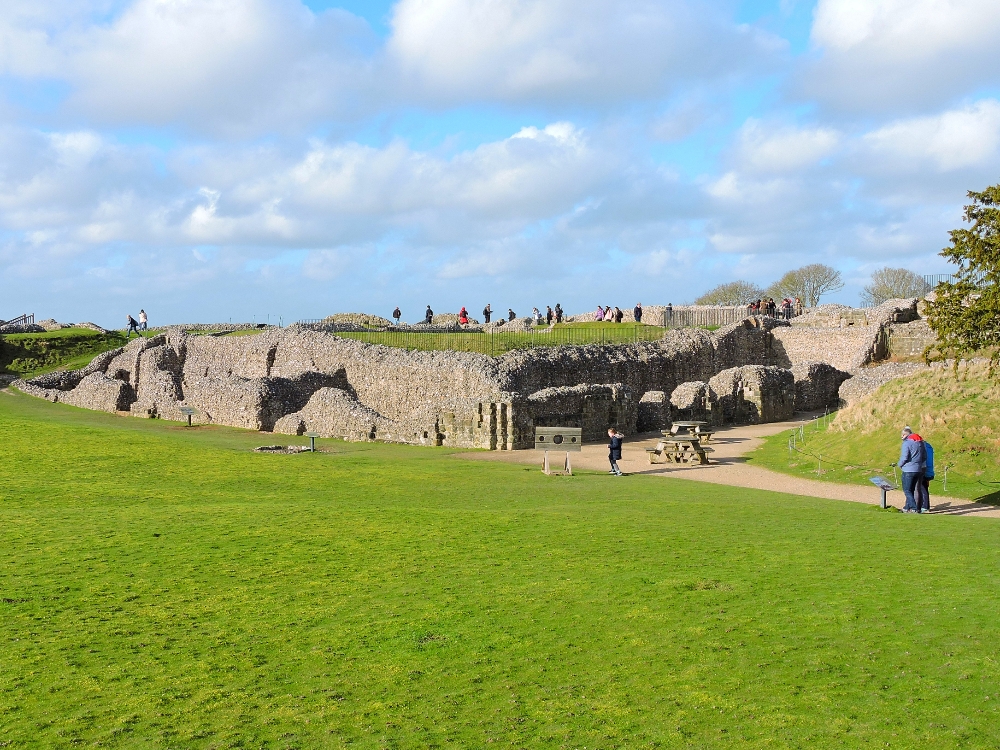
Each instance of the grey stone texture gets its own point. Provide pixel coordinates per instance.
(654, 412)
(692, 401)
(827, 335)
(751, 394)
(296, 380)
(817, 385)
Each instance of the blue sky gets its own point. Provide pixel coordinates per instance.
(274, 159)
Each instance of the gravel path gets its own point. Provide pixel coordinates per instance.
(730, 468)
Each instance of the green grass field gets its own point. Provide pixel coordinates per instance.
(165, 587)
(959, 417)
(497, 342)
(31, 354)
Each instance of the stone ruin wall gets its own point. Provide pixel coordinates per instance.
(293, 380)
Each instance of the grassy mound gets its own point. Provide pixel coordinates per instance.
(959, 416)
(166, 587)
(30, 354)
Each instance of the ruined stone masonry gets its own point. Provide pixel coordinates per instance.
(294, 380)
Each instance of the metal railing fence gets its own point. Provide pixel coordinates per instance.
(24, 320)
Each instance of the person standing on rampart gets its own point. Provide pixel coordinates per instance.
(559, 313)
(463, 316)
(396, 315)
(510, 314)
(599, 315)
(487, 312)
(548, 315)
(133, 325)
(618, 314)
(637, 312)
(143, 320)
(428, 315)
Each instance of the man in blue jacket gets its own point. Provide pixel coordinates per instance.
(911, 463)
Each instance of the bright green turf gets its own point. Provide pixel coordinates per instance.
(31, 354)
(498, 342)
(166, 587)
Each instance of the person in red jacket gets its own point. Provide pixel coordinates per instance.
(463, 316)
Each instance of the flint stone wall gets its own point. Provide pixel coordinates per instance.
(846, 347)
(817, 385)
(752, 394)
(654, 412)
(295, 380)
(692, 401)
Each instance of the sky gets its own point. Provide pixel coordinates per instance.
(280, 160)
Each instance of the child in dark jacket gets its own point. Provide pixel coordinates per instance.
(615, 450)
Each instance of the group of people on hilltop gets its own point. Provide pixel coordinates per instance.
(614, 314)
(137, 325)
(787, 309)
(551, 315)
(916, 462)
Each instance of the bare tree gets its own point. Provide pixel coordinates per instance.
(733, 293)
(893, 283)
(808, 283)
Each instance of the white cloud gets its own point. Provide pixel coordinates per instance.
(590, 50)
(952, 140)
(882, 55)
(233, 65)
(783, 149)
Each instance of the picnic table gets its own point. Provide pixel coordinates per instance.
(701, 429)
(682, 449)
(685, 428)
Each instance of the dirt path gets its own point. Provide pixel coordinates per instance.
(729, 467)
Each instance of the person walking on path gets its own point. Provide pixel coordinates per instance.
(548, 315)
(911, 464)
(396, 315)
(599, 315)
(637, 312)
(487, 312)
(923, 492)
(559, 313)
(618, 314)
(143, 319)
(615, 450)
(133, 325)
(428, 315)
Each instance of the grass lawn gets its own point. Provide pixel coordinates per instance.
(959, 417)
(499, 341)
(166, 587)
(31, 354)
